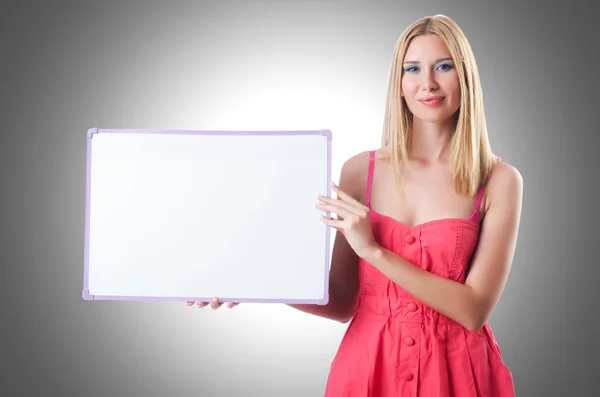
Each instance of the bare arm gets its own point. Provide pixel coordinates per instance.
(471, 303)
(343, 278)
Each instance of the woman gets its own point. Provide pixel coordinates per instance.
(419, 269)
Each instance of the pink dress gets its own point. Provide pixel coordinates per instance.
(397, 346)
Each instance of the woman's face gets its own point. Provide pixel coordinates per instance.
(429, 73)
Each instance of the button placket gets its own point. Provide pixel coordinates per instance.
(409, 358)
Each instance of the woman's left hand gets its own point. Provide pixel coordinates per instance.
(353, 221)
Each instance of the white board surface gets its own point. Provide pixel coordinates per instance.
(189, 215)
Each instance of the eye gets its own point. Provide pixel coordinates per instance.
(447, 66)
(410, 69)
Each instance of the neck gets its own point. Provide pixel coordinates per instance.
(431, 141)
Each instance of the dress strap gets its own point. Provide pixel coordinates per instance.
(370, 179)
(475, 214)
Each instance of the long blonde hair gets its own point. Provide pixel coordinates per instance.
(471, 154)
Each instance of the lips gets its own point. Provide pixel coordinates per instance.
(432, 100)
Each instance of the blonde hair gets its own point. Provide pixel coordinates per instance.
(471, 154)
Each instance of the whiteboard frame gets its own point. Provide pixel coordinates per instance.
(89, 297)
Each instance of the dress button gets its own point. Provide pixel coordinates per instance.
(409, 239)
(409, 341)
(412, 306)
(408, 376)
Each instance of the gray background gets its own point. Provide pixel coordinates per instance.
(68, 66)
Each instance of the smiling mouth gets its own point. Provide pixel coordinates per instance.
(431, 101)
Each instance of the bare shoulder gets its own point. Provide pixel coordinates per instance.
(504, 187)
(493, 258)
(504, 177)
(353, 178)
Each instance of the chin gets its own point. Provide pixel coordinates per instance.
(435, 115)
(434, 118)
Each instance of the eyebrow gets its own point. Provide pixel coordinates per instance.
(438, 60)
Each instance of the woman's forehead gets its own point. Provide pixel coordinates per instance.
(427, 48)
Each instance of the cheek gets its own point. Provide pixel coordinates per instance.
(456, 90)
(407, 85)
(456, 95)
(408, 90)
(453, 86)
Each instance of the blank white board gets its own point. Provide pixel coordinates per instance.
(189, 215)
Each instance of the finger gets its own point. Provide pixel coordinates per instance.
(356, 209)
(215, 304)
(344, 213)
(346, 197)
(201, 304)
(190, 303)
(231, 305)
(335, 206)
(338, 225)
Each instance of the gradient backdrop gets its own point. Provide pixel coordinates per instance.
(68, 66)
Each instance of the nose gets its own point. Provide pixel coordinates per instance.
(428, 83)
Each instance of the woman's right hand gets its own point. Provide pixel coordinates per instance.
(214, 304)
